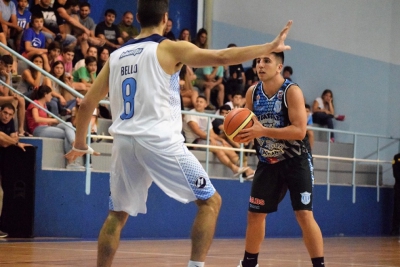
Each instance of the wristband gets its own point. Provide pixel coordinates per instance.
(89, 150)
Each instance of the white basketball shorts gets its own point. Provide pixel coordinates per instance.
(134, 167)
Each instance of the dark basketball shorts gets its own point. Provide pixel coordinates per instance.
(271, 181)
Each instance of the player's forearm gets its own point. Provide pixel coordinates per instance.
(236, 55)
(290, 132)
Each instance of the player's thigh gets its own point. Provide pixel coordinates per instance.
(267, 188)
(300, 181)
(181, 177)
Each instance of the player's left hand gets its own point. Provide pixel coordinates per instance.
(75, 153)
(248, 134)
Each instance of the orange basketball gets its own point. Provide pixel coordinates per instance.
(236, 120)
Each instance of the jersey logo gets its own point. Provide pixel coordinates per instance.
(200, 182)
(305, 197)
(134, 52)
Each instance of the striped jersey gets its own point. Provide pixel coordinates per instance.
(144, 100)
(273, 113)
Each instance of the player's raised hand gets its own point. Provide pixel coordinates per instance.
(278, 44)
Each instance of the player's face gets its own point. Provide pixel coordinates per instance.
(84, 12)
(92, 52)
(59, 70)
(201, 104)
(38, 62)
(267, 67)
(92, 67)
(22, 4)
(128, 19)
(6, 115)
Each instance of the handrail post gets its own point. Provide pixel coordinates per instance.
(353, 182)
(88, 170)
(208, 143)
(328, 168)
(377, 171)
(241, 162)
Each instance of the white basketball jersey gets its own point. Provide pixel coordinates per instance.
(145, 101)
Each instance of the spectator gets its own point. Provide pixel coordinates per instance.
(23, 21)
(66, 101)
(127, 30)
(40, 125)
(3, 41)
(251, 75)
(109, 32)
(104, 54)
(201, 39)
(188, 93)
(67, 57)
(208, 79)
(91, 52)
(310, 133)
(6, 96)
(34, 42)
(236, 80)
(185, 35)
(93, 120)
(324, 112)
(54, 52)
(86, 74)
(168, 30)
(8, 137)
(287, 73)
(31, 77)
(195, 129)
(8, 16)
(53, 28)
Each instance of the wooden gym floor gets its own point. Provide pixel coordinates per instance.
(285, 252)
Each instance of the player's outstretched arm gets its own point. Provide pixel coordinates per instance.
(187, 53)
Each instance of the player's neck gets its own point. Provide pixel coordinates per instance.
(271, 86)
(146, 32)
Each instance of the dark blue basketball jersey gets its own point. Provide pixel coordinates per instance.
(273, 113)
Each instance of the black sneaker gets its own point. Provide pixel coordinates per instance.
(2, 234)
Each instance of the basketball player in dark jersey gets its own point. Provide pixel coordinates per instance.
(285, 160)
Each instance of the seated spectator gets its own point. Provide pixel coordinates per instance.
(251, 75)
(287, 73)
(23, 21)
(67, 58)
(104, 54)
(31, 77)
(86, 74)
(8, 137)
(168, 30)
(109, 32)
(40, 125)
(91, 52)
(53, 27)
(188, 93)
(185, 35)
(8, 17)
(238, 101)
(33, 41)
(66, 100)
(236, 80)
(54, 52)
(324, 112)
(127, 30)
(201, 39)
(195, 129)
(310, 133)
(7, 96)
(210, 78)
(3, 40)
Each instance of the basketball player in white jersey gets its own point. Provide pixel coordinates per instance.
(143, 82)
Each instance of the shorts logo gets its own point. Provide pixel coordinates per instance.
(134, 52)
(257, 201)
(305, 197)
(200, 182)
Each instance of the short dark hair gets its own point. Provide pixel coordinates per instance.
(8, 105)
(225, 107)
(254, 63)
(83, 4)
(70, 3)
(54, 45)
(127, 12)
(288, 69)
(110, 11)
(67, 49)
(232, 45)
(203, 97)
(151, 12)
(7, 59)
(308, 106)
(237, 92)
(90, 59)
(37, 15)
(280, 55)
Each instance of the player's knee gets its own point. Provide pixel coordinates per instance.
(116, 220)
(255, 218)
(303, 216)
(213, 203)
